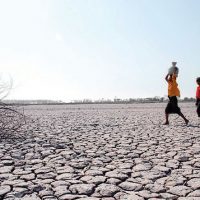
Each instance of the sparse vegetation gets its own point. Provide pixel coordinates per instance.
(11, 117)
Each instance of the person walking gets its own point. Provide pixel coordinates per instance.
(198, 96)
(173, 93)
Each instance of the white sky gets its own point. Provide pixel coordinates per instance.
(76, 49)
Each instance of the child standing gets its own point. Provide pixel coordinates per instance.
(173, 92)
(198, 96)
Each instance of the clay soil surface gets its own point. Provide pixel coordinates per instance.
(102, 152)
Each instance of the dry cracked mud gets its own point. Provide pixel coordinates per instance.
(102, 152)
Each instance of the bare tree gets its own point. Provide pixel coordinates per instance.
(11, 116)
(5, 87)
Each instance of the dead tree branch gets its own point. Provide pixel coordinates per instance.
(12, 117)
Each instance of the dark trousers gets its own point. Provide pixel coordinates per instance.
(172, 106)
(198, 107)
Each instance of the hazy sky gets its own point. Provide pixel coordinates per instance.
(75, 49)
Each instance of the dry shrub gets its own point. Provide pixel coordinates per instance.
(12, 117)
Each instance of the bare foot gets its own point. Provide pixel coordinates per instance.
(186, 122)
(166, 123)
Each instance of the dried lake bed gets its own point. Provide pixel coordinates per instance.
(102, 152)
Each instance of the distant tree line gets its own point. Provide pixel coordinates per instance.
(188, 99)
(32, 102)
(155, 99)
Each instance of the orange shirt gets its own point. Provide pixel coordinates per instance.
(173, 87)
(198, 92)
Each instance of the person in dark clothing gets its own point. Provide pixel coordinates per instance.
(198, 96)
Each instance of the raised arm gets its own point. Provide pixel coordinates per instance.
(166, 77)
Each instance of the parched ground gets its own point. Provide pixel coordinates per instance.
(102, 152)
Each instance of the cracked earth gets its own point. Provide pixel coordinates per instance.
(102, 152)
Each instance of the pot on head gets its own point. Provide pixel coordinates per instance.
(173, 70)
